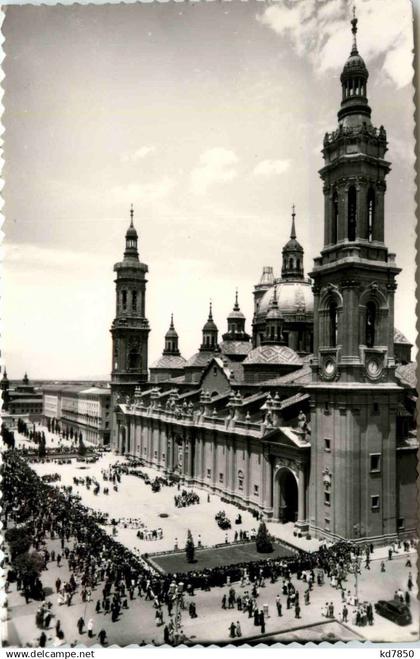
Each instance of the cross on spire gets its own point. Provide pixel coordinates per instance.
(236, 306)
(293, 231)
(131, 215)
(354, 31)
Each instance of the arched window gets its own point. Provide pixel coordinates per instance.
(124, 300)
(291, 264)
(370, 324)
(352, 212)
(297, 264)
(334, 219)
(370, 213)
(134, 300)
(333, 323)
(133, 359)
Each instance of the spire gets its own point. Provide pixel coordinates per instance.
(274, 300)
(293, 231)
(236, 305)
(210, 311)
(171, 326)
(131, 238)
(354, 50)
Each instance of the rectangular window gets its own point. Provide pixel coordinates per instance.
(163, 457)
(220, 478)
(400, 524)
(240, 483)
(375, 408)
(208, 473)
(124, 299)
(375, 462)
(327, 444)
(375, 502)
(155, 454)
(327, 498)
(256, 489)
(327, 523)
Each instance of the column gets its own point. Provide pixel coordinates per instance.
(301, 496)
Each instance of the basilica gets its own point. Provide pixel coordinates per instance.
(310, 418)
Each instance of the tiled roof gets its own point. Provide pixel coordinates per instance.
(302, 376)
(399, 337)
(272, 354)
(169, 361)
(235, 347)
(201, 359)
(406, 373)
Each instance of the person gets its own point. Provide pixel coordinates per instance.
(98, 607)
(57, 584)
(390, 554)
(57, 627)
(232, 630)
(262, 622)
(90, 628)
(238, 629)
(47, 620)
(410, 582)
(382, 566)
(407, 598)
(224, 598)
(102, 637)
(278, 605)
(80, 625)
(297, 610)
(166, 634)
(345, 613)
(43, 640)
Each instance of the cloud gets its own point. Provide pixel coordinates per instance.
(216, 165)
(142, 192)
(271, 167)
(320, 31)
(139, 154)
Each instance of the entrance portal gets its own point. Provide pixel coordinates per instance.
(123, 440)
(288, 496)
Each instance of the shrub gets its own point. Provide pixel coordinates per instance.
(263, 540)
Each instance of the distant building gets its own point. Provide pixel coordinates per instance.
(23, 399)
(81, 408)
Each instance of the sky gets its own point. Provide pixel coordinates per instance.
(208, 117)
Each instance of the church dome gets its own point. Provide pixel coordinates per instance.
(355, 65)
(273, 354)
(292, 297)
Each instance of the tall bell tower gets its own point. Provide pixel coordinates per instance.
(354, 393)
(130, 328)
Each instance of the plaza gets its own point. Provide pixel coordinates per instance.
(134, 499)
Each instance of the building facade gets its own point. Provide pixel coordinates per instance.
(313, 421)
(85, 410)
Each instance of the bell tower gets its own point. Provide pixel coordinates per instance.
(130, 328)
(354, 393)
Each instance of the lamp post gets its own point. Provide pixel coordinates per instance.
(176, 592)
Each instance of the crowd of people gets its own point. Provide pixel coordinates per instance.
(186, 498)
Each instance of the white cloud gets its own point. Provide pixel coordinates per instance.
(271, 167)
(216, 165)
(320, 31)
(139, 154)
(142, 192)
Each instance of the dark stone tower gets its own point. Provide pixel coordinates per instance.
(236, 324)
(130, 328)
(354, 394)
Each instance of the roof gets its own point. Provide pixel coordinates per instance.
(272, 354)
(292, 297)
(201, 359)
(97, 391)
(235, 347)
(293, 400)
(25, 401)
(169, 361)
(406, 374)
(400, 338)
(302, 376)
